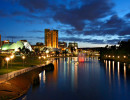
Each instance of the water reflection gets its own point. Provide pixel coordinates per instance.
(42, 77)
(113, 65)
(125, 73)
(118, 68)
(36, 83)
(92, 80)
(69, 70)
(121, 71)
(109, 72)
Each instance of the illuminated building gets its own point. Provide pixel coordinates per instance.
(16, 46)
(5, 42)
(73, 45)
(51, 38)
(23, 40)
(39, 44)
(62, 45)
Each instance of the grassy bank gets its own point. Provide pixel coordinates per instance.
(17, 63)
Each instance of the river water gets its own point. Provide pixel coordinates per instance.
(89, 80)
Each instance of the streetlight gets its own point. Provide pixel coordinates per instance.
(124, 56)
(44, 57)
(11, 57)
(39, 57)
(23, 57)
(7, 59)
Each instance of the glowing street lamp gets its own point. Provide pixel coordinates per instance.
(23, 57)
(39, 57)
(44, 57)
(124, 56)
(11, 57)
(7, 59)
(118, 56)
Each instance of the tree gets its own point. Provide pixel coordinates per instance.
(57, 52)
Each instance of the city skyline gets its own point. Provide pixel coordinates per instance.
(90, 23)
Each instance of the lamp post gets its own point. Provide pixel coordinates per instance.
(44, 57)
(11, 57)
(23, 57)
(40, 59)
(7, 59)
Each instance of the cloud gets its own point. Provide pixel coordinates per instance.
(112, 26)
(4, 14)
(125, 31)
(24, 37)
(76, 39)
(127, 15)
(36, 31)
(91, 11)
(34, 5)
(80, 18)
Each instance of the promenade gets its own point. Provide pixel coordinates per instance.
(6, 77)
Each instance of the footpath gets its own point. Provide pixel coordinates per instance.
(6, 77)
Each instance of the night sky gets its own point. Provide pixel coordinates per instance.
(89, 22)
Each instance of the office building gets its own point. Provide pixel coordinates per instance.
(62, 44)
(51, 38)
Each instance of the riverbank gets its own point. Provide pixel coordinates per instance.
(17, 63)
(117, 59)
(19, 85)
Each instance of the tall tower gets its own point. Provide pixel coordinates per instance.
(51, 38)
(55, 39)
(48, 38)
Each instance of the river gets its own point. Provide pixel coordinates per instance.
(89, 80)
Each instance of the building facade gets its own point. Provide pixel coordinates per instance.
(51, 38)
(73, 45)
(5, 42)
(62, 44)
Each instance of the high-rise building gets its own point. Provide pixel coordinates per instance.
(51, 38)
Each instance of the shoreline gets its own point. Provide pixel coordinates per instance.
(19, 85)
(117, 60)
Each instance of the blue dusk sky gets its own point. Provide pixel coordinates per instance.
(91, 23)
